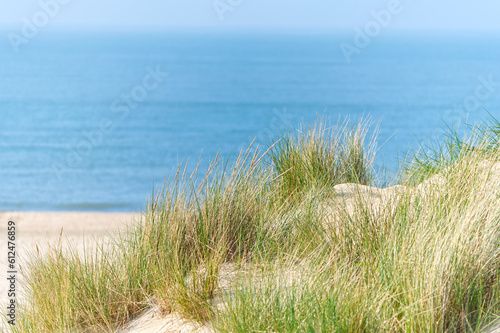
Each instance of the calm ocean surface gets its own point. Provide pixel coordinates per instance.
(69, 142)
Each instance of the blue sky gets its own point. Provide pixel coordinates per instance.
(311, 14)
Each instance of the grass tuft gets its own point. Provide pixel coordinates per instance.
(421, 257)
(324, 155)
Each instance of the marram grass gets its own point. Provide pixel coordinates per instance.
(425, 259)
(324, 154)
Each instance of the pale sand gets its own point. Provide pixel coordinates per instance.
(42, 228)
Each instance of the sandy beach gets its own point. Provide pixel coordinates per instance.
(42, 228)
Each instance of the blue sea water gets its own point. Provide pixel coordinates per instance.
(70, 141)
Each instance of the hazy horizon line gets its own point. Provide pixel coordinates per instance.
(4, 28)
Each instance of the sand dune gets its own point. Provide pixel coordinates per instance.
(41, 228)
